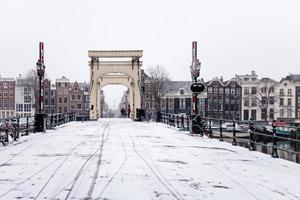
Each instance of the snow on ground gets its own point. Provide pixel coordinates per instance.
(121, 159)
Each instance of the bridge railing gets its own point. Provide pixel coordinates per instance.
(250, 134)
(22, 126)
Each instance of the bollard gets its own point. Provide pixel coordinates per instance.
(234, 134)
(27, 126)
(274, 147)
(182, 122)
(174, 124)
(251, 138)
(177, 121)
(221, 131)
(210, 131)
(188, 123)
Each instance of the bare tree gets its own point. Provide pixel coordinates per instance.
(265, 97)
(32, 81)
(159, 78)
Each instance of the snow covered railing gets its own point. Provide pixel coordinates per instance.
(247, 133)
(16, 127)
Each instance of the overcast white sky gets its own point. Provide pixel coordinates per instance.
(234, 36)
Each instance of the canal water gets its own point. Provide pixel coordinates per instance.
(268, 149)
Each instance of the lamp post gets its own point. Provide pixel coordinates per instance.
(40, 118)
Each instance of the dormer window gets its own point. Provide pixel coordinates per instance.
(181, 91)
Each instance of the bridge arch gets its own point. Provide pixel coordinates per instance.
(109, 72)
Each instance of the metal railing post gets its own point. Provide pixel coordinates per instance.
(182, 122)
(274, 147)
(210, 130)
(188, 123)
(251, 138)
(221, 131)
(234, 134)
(27, 126)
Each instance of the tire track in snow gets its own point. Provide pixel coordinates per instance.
(157, 173)
(225, 174)
(29, 178)
(56, 170)
(95, 177)
(83, 167)
(118, 170)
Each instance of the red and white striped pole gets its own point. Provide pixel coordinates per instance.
(41, 74)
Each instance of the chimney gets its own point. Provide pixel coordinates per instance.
(221, 78)
(253, 73)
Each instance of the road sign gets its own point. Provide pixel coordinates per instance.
(198, 87)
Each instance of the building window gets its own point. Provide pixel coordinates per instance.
(27, 99)
(289, 101)
(271, 100)
(271, 89)
(209, 89)
(46, 102)
(27, 107)
(182, 103)
(79, 97)
(0, 93)
(246, 102)
(163, 103)
(148, 105)
(52, 102)
(253, 90)
(238, 90)
(65, 100)
(227, 91)
(281, 101)
(171, 103)
(73, 97)
(246, 90)
(216, 90)
(5, 104)
(272, 113)
(19, 107)
(263, 90)
(0, 104)
(263, 114)
(11, 104)
(59, 100)
(65, 109)
(11, 84)
(281, 113)
(246, 114)
(11, 94)
(253, 114)
(289, 113)
(246, 79)
(79, 106)
(253, 102)
(281, 92)
(181, 91)
(289, 92)
(5, 94)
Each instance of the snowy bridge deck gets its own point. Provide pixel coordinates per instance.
(120, 159)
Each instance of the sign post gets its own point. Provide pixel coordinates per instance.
(196, 88)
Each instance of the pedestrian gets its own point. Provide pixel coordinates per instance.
(128, 113)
